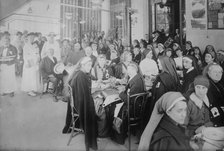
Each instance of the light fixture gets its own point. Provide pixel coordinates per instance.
(29, 10)
(68, 15)
(82, 22)
(164, 2)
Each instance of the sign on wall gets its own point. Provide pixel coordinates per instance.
(198, 14)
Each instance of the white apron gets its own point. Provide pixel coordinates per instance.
(7, 78)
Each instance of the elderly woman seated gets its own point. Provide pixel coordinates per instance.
(164, 130)
(116, 115)
(101, 72)
(215, 94)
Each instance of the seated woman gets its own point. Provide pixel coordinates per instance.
(166, 81)
(165, 130)
(136, 55)
(80, 81)
(198, 116)
(101, 71)
(214, 73)
(117, 111)
(120, 71)
(190, 72)
(149, 69)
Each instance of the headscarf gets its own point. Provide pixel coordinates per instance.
(164, 104)
(169, 66)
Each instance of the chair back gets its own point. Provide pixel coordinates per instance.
(71, 99)
(137, 107)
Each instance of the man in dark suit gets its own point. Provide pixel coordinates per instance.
(47, 71)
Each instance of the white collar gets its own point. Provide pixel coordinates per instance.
(198, 102)
(190, 69)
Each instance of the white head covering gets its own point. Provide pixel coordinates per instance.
(164, 104)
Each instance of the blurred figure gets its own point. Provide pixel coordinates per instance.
(30, 79)
(8, 55)
(51, 43)
(190, 71)
(40, 41)
(188, 49)
(136, 55)
(18, 43)
(89, 53)
(65, 49)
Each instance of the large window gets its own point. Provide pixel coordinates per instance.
(118, 20)
(164, 18)
(215, 14)
(78, 18)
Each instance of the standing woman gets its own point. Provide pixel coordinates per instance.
(31, 65)
(83, 101)
(190, 71)
(8, 54)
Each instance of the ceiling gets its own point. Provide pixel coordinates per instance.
(9, 6)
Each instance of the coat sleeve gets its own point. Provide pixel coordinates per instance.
(161, 145)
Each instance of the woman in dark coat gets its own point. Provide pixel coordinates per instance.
(166, 81)
(164, 131)
(190, 72)
(83, 101)
(215, 93)
(135, 85)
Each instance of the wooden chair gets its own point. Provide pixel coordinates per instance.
(135, 114)
(75, 118)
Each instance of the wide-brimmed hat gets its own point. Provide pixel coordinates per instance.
(59, 68)
(51, 33)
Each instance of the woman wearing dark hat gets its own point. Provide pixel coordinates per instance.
(143, 49)
(198, 116)
(189, 50)
(136, 55)
(190, 72)
(198, 56)
(164, 130)
(209, 57)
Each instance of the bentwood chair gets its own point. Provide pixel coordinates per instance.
(75, 118)
(135, 108)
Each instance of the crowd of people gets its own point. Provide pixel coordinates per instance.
(185, 84)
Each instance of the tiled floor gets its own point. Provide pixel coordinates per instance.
(34, 123)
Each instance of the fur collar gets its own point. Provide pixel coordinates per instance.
(198, 102)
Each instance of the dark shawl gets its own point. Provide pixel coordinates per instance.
(188, 79)
(47, 67)
(81, 86)
(169, 136)
(216, 99)
(136, 85)
(164, 83)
